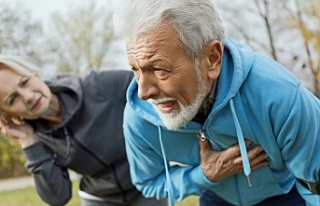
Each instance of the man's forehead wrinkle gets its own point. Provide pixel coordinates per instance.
(138, 56)
(146, 49)
(141, 54)
(142, 49)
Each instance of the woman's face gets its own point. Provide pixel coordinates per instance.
(27, 97)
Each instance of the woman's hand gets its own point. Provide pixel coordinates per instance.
(15, 127)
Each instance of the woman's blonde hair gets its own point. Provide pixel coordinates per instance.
(18, 65)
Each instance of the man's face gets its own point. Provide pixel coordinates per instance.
(166, 77)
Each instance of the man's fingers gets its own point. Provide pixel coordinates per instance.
(254, 152)
(233, 152)
(248, 142)
(260, 159)
(256, 155)
(258, 165)
(205, 148)
(204, 144)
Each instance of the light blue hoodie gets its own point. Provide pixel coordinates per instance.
(256, 98)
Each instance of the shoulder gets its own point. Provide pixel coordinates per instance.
(111, 84)
(110, 75)
(62, 82)
(109, 78)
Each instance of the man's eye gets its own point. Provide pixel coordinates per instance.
(161, 73)
(136, 73)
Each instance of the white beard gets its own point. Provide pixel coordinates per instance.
(181, 117)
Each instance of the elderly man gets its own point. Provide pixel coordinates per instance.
(191, 81)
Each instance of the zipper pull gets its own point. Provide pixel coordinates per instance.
(249, 181)
(202, 136)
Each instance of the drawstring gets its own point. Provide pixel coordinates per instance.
(243, 149)
(169, 183)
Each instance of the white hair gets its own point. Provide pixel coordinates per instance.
(196, 21)
(18, 65)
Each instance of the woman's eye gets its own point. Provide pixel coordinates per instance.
(24, 82)
(12, 98)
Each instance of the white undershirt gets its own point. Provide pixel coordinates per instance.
(88, 196)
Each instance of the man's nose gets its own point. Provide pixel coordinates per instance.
(147, 87)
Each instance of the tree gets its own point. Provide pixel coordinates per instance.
(11, 158)
(306, 19)
(80, 40)
(258, 23)
(19, 35)
(263, 25)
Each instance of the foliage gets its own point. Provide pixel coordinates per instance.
(81, 39)
(12, 159)
(263, 24)
(19, 33)
(306, 19)
(29, 197)
(18, 36)
(256, 22)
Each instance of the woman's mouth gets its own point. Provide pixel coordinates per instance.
(36, 104)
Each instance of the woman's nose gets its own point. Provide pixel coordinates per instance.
(26, 94)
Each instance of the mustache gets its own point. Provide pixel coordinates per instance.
(161, 100)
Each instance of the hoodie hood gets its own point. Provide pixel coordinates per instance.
(236, 65)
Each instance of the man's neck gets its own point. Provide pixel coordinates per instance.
(206, 107)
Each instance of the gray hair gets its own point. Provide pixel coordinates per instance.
(18, 65)
(196, 21)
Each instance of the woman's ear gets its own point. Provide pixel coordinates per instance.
(213, 55)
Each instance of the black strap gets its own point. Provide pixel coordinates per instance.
(312, 187)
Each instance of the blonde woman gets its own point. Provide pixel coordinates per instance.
(69, 122)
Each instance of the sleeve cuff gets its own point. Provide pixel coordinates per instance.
(35, 155)
(198, 176)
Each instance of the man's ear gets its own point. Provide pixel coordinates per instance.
(213, 58)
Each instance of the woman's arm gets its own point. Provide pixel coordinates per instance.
(52, 182)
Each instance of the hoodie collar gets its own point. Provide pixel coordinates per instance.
(236, 65)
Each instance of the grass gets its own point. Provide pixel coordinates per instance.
(29, 197)
(189, 201)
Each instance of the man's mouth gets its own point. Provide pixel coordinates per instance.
(167, 107)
